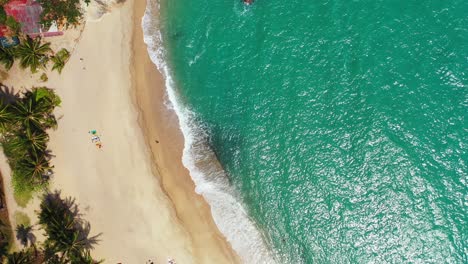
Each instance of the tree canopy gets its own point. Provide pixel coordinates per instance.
(64, 12)
(33, 54)
(7, 57)
(24, 119)
(3, 15)
(67, 234)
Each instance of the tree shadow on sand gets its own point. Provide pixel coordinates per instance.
(66, 231)
(25, 236)
(7, 94)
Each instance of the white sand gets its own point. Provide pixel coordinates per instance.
(115, 186)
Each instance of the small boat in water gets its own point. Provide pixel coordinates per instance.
(248, 2)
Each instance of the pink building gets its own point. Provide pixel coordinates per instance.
(28, 13)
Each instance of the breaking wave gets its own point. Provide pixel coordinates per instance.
(209, 177)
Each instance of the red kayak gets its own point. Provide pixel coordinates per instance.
(248, 2)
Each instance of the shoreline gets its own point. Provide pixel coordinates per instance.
(135, 192)
(166, 144)
(200, 162)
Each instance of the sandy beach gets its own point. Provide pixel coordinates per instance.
(135, 190)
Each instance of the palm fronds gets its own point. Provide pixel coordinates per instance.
(23, 124)
(6, 116)
(36, 168)
(67, 235)
(22, 257)
(36, 141)
(33, 54)
(60, 59)
(7, 57)
(34, 110)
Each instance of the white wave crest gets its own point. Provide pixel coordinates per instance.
(210, 179)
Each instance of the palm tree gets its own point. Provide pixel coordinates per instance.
(43, 93)
(36, 141)
(14, 148)
(66, 233)
(6, 116)
(34, 111)
(32, 53)
(22, 257)
(60, 59)
(30, 114)
(7, 57)
(34, 168)
(24, 143)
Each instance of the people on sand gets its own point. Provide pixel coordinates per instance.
(95, 138)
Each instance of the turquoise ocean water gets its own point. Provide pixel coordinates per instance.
(340, 125)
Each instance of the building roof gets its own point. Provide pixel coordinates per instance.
(28, 13)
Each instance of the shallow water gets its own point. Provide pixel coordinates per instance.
(340, 125)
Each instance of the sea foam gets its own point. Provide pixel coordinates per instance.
(210, 179)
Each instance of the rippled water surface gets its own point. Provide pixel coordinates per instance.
(340, 124)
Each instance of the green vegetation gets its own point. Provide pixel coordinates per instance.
(63, 12)
(25, 256)
(60, 59)
(43, 77)
(3, 15)
(67, 235)
(24, 194)
(23, 124)
(7, 57)
(24, 121)
(13, 24)
(33, 54)
(22, 219)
